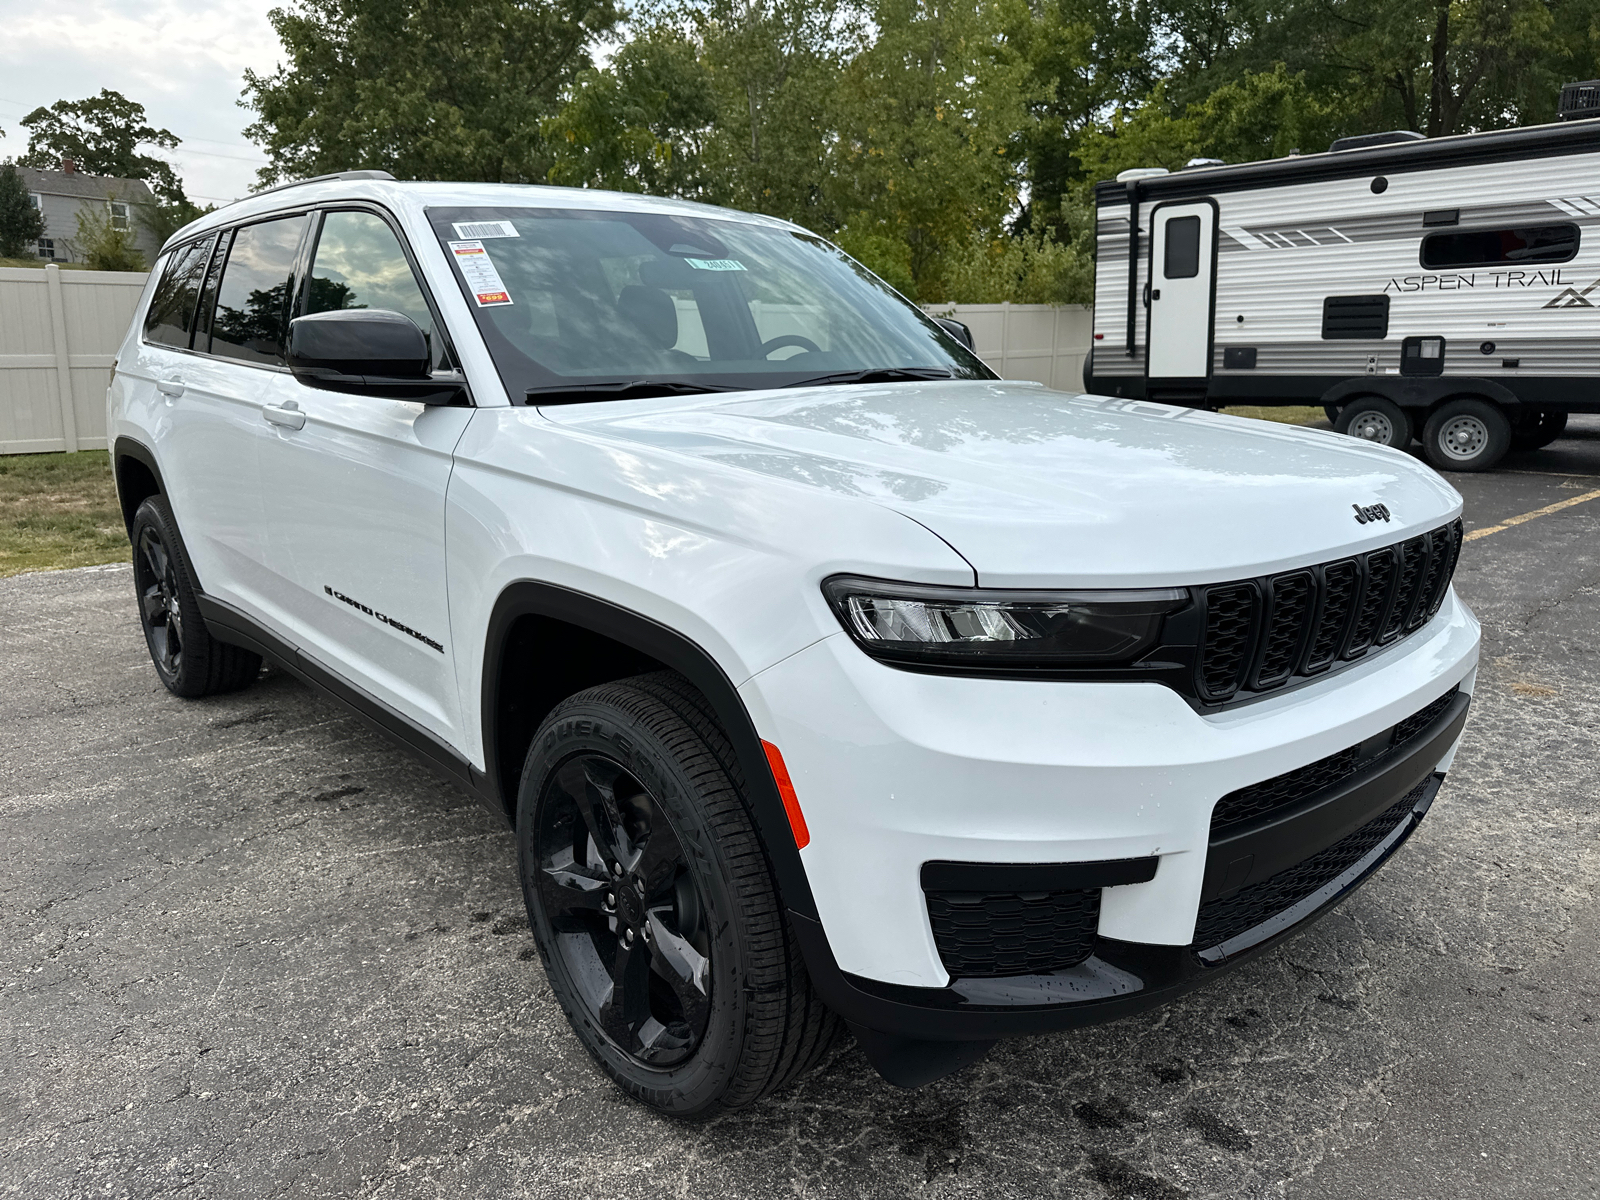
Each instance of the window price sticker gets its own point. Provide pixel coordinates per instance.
(715, 264)
(483, 281)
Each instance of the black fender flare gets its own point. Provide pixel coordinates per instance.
(674, 650)
(1419, 392)
(126, 447)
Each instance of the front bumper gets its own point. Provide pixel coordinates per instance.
(895, 770)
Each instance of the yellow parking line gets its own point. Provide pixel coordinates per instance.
(1528, 516)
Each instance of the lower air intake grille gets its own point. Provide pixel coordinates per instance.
(988, 934)
(1228, 916)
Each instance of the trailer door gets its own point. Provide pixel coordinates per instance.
(1183, 263)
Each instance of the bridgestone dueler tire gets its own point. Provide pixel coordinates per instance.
(767, 1026)
(205, 666)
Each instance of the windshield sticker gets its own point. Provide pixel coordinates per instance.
(715, 264)
(485, 229)
(483, 280)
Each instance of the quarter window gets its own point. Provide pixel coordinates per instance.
(253, 298)
(359, 264)
(172, 307)
(1526, 245)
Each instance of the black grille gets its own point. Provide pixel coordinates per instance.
(1230, 624)
(1288, 621)
(1228, 916)
(1290, 788)
(988, 934)
(1261, 634)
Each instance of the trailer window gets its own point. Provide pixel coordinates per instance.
(1491, 247)
(1182, 259)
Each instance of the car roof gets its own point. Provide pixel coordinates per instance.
(417, 196)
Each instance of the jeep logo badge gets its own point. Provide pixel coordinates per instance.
(1371, 512)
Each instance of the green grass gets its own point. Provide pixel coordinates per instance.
(59, 510)
(40, 262)
(1292, 414)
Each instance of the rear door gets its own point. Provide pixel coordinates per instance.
(216, 393)
(353, 497)
(1183, 243)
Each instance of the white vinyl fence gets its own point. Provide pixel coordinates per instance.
(1046, 342)
(59, 332)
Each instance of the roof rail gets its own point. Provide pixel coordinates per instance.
(323, 179)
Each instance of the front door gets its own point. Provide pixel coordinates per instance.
(1183, 239)
(353, 497)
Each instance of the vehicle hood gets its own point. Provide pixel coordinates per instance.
(1041, 488)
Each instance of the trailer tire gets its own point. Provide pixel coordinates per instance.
(1374, 419)
(1539, 430)
(1332, 411)
(1466, 434)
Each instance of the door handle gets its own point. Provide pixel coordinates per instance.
(170, 387)
(287, 414)
(1156, 295)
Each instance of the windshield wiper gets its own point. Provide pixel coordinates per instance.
(875, 375)
(619, 389)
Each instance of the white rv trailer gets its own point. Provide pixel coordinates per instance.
(1445, 288)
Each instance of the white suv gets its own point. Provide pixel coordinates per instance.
(823, 675)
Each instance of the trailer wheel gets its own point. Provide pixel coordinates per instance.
(1543, 427)
(1374, 419)
(1466, 434)
(1332, 411)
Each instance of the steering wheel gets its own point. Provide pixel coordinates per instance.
(788, 339)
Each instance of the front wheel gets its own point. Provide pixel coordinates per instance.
(1374, 419)
(652, 904)
(1467, 434)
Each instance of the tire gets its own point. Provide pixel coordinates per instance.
(188, 660)
(1544, 427)
(716, 1007)
(1466, 434)
(1374, 419)
(1332, 413)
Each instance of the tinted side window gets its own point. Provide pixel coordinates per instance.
(359, 264)
(208, 294)
(1494, 247)
(253, 298)
(1183, 248)
(172, 307)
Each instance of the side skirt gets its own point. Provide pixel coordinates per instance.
(227, 624)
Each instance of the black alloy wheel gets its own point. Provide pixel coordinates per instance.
(155, 576)
(652, 903)
(188, 660)
(628, 921)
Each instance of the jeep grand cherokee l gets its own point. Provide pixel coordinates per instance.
(826, 679)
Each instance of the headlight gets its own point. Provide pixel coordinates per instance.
(985, 628)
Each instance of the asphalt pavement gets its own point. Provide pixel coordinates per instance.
(248, 949)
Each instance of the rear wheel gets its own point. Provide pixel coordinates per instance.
(652, 904)
(1374, 419)
(189, 661)
(1466, 434)
(1538, 430)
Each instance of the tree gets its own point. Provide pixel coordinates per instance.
(103, 246)
(163, 218)
(425, 89)
(102, 134)
(21, 224)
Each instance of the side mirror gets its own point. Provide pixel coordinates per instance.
(956, 330)
(366, 350)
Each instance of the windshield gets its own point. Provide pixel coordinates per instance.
(640, 303)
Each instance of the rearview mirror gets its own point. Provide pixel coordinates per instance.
(367, 350)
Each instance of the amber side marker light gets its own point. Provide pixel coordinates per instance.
(791, 802)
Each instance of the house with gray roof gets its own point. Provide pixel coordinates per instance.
(60, 195)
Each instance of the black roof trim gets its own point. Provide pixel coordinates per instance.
(1501, 145)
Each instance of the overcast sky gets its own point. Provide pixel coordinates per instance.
(184, 60)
